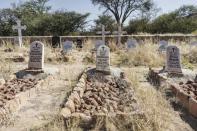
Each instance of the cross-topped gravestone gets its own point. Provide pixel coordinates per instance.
(131, 43)
(67, 46)
(119, 33)
(36, 56)
(173, 63)
(103, 59)
(19, 28)
(103, 33)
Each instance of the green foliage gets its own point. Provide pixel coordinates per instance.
(35, 15)
(182, 20)
(107, 20)
(122, 9)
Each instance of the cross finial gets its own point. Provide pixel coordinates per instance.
(19, 28)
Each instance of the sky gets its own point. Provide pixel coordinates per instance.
(85, 6)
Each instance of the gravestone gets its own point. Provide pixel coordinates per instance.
(79, 43)
(131, 44)
(56, 41)
(103, 59)
(36, 56)
(194, 43)
(173, 63)
(99, 43)
(67, 46)
(163, 45)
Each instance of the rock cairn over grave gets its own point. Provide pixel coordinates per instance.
(173, 61)
(99, 94)
(103, 59)
(13, 87)
(36, 56)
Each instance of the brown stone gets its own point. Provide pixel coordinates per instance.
(193, 107)
(70, 104)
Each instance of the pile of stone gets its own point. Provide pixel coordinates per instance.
(190, 87)
(98, 94)
(13, 87)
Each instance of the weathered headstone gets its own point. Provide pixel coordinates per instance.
(173, 63)
(99, 43)
(36, 56)
(67, 46)
(19, 27)
(163, 45)
(103, 59)
(131, 43)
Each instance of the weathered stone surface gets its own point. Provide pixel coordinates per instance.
(66, 112)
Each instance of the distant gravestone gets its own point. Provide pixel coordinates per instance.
(36, 56)
(173, 63)
(56, 41)
(194, 43)
(103, 59)
(131, 43)
(79, 43)
(99, 43)
(67, 46)
(163, 45)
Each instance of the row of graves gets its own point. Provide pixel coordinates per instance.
(25, 83)
(99, 93)
(182, 82)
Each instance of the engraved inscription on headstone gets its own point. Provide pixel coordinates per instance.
(99, 43)
(103, 59)
(67, 46)
(36, 56)
(173, 63)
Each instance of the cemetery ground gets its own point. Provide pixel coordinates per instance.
(41, 108)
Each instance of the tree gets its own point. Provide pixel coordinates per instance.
(122, 9)
(106, 20)
(181, 20)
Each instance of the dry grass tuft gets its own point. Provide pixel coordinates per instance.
(146, 55)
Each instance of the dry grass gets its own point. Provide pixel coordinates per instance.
(146, 55)
(159, 115)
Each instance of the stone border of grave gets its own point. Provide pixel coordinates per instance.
(68, 112)
(185, 100)
(13, 105)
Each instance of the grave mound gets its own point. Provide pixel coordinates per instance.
(99, 94)
(9, 90)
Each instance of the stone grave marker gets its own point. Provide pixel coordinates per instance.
(163, 45)
(36, 56)
(79, 43)
(131, 43)
(103, 59)
(194, 44)
(173, 61)
(67, 46)
(99, 43)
